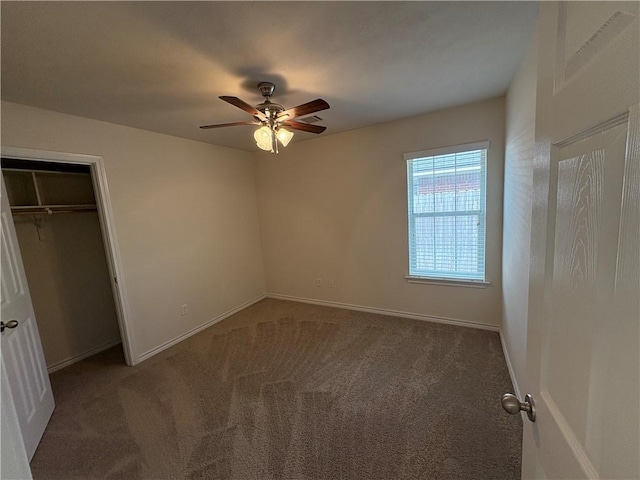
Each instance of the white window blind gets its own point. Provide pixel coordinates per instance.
(446, 193)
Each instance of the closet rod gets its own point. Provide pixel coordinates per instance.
(50, 211)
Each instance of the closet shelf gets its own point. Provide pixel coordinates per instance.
(51, 209)
(39, 192)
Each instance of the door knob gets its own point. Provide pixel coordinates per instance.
(9, 324)
(512, 405)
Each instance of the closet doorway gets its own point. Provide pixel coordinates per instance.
(62, 219)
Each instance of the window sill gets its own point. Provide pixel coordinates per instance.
(448, 282)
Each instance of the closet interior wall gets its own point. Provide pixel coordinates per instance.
(58, 229)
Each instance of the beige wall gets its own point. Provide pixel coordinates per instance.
(69, 284)
(185, 216)
(335, 208)
(518, 182)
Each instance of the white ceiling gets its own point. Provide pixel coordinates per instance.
(160, 66)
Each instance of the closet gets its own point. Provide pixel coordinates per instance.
(55, 214)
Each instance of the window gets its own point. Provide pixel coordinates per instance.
(447, 191)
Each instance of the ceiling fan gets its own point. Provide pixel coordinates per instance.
(273, 117)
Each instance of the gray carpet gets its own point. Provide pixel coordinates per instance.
(284, 390)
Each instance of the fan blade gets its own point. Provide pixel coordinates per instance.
(229, 124)
(236, 102)
(305, 109)
(305, 127)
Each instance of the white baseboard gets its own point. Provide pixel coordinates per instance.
(384, 311)
(512, 372)
(184, 336)
(82, 356)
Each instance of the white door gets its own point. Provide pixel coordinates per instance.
(14, 464)
(584, 301)
(20, 346)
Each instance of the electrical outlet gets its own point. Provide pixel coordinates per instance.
(330, 283)
(318, 282)
(184, 309)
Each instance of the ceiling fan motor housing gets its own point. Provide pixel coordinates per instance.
(274, 108)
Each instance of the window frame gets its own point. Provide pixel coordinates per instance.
(444, 279)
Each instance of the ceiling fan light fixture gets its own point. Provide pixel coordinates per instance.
(284, 136)
(263, 139)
